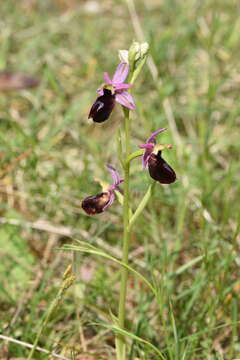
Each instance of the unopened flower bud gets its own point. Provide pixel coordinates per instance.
(137, 51)
(123, 56)
(137, 56)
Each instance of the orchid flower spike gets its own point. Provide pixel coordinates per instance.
(113, 90)
(97, 204)
(158, 168)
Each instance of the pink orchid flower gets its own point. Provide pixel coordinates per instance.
(158, 168)
(97, 204)
(113, 90)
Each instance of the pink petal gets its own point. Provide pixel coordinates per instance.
(121, 73)
(151, 138)
(115, 175)
(122, 86)
(148, 150)
(125, 99)
(100, 91)
(145, 158)
(107, 78)
(146, 146)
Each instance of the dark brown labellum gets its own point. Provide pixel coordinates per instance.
(159, 169)
(95, 204)
(103, 106)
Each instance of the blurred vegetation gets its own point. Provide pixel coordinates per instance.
(187, 240)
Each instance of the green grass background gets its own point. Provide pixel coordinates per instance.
(187, 240)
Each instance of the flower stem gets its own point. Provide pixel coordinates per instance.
(121, 348)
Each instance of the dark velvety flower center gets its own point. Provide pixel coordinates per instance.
(103, 106)
(96, 203)
(159, 169)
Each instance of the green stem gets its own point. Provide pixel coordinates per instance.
(134, 155)
(121, 349)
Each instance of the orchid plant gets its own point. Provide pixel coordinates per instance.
(112, 91)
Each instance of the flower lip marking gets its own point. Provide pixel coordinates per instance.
(160, 170)
(97, 204)
(103, 106)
